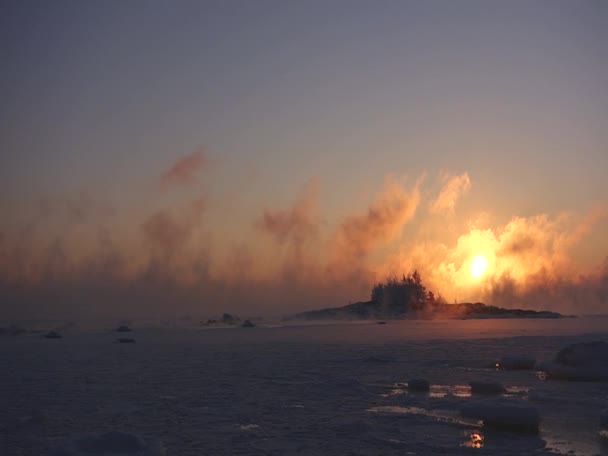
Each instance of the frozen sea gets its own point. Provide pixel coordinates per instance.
(331, 389)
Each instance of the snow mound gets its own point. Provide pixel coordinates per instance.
(114, 443)
(418, 384)
(587, 354)
(586, 361)
(506, 415)
(555, 371)
(516, 363)
(478, 387)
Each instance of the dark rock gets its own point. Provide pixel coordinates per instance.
(228, 319)
(53, 335)
(419, 385)
(478, 387)
(125, 340)
(248, 324)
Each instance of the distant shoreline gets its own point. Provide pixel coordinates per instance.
(371, 310)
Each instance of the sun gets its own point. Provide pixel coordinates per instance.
(478, 266)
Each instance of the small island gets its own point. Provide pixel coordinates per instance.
(408, 297)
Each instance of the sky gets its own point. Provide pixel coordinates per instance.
(274, 156)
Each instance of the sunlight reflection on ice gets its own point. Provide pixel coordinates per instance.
(453, 390)
(464, 391)
(475, 439)
(444, 416)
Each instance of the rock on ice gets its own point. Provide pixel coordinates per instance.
(509, 415)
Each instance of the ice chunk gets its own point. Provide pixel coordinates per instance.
(110, 444)
(588, 354)
(586, 361)
(556, 371)
(508, 415)
(516, 363)
(418, 384)
(478, 387)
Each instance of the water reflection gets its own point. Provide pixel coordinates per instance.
(475, 439)
(441, 391)
(446, 416)
(452, 390)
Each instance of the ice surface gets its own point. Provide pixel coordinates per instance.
(504, 414)
(297, 390)
(113, 443)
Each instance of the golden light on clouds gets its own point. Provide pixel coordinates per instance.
(521, 261)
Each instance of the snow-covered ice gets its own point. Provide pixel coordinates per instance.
(298, 390)
(113, 443)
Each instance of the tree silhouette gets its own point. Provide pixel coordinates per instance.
(401, 296)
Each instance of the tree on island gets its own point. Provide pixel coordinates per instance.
(396, 296)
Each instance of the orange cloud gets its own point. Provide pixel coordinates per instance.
(358, 234)
(296, 223)
(526, 257)
(184, 170)
(454, 187)
(164, 260)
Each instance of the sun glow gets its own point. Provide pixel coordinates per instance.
(478, 266)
